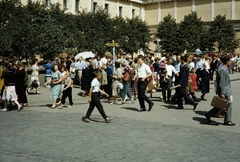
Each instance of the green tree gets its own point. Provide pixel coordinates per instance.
(94, 29)
(34, 29)
(7, 26)
(167, 32)
(223, 35)
(43, 35)
(138, 35)
(131, 34)
(66, 22)
(191, 31)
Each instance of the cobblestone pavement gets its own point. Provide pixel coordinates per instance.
(40, 134)
(44, 136)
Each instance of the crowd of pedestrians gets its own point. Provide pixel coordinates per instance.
(126, 78)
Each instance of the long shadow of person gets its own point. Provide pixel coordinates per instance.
(130, 108)
(204, 121)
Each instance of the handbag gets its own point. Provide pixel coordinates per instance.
(120, 85)
(220, 103)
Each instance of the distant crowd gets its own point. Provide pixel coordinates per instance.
(119, 78)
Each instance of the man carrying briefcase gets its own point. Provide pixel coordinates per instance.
(223, 90)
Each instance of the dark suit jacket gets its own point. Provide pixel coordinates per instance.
(214, 64)
(183, 76)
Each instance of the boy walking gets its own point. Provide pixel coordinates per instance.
(94, 99)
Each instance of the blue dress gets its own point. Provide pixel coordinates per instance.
(56, 88)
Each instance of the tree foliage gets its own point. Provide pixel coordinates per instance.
(190, 31)
(35, 29)
(191, 34)
(223, 35)
(168, 34)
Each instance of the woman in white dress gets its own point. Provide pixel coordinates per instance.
(35, 76)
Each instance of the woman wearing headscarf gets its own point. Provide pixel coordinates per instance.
(204, 78)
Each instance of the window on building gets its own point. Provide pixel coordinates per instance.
(65, 4)
(133, 13)
(77, 5)
(95, 7)
(47, 3)
(120, 12)
(106, 8)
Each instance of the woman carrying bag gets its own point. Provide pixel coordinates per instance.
(125, 90)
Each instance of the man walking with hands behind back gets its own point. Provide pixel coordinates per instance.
(144, 72)
(182, 84)
(224, 91)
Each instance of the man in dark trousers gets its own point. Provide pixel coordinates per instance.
(182, 84)
(223, 90)
(214, 65)
(144, 72)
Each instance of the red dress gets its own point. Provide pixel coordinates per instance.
(194, 81)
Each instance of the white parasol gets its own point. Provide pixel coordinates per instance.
(84, 55)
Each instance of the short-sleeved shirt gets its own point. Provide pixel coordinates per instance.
(170, 70)
(143, 71)
(199, 64)
(95, 84)
(178, 66)
(81, 65)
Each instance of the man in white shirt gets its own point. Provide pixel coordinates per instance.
(104, 60)
(144, 72)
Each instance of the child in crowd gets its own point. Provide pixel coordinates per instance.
(94, 99)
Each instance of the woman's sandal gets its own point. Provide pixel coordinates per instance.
(53, 106)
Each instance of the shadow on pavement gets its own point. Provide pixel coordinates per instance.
(94, 120)
(170, 106)
(200, 112)
(155, 99)
(130, 108)
(204, 121)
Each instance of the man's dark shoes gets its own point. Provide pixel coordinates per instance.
(207, 117)
(209, 120)
(195, 105)
(142, 109)
(180, 107)
(150, 106)
(229, 123)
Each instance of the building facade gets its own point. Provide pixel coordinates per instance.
(153, 11)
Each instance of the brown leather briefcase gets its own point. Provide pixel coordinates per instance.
(220, 103)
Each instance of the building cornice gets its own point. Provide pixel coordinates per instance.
(151, 1)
